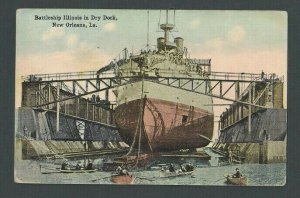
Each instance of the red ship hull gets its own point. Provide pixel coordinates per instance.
(165, 125)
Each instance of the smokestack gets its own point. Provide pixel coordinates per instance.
(179, 44)
(160, 43)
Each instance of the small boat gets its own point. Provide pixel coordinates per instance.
(241, 181)
(122, 179)
(159, 167)
(77, 171)
(112, 166)
(166, 173)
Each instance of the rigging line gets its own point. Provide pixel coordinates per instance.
(133, 142)
(148, 30)
(139, 118)
(139, 145)
(174, 18)
(141, 113)
(167, 16)
(159, 20)
(172, 34)
(141, 123)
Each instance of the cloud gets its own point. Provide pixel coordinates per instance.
(236, 34)
(72, 40)
(82, 58)
(53, 33)
(109, 27)
(215, 43)
(194, 24)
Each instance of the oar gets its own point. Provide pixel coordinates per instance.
(50, 172)
(219, 180)
(145, 178)
(100, 179)
(46, 167)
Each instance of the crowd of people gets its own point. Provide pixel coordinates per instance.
(78, 166)
(183, 167)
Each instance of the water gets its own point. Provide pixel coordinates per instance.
(207, 172)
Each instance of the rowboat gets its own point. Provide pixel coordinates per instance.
(112, 166)
(77, 171)
(123, 179)
(241, 181)
(167, 173)
(159, 167)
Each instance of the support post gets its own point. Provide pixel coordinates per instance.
(65, 106)
(242, 111)
(238, 112)
(106, 95)
(40, 93)
(74, 87)
(221, 90)
(98, 82)
(233, 114)
(87, 109)
(237, 90)
(219, 127)
(49, 90)
(57, 107)
(253, 95)
(77, 106)
(93, 112)
(227, 116)
(249, 109)
(99, 115)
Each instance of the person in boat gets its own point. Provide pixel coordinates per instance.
(64, 166)
(183, 168)
(172, 168)
(125, 171)
(78, 166)
(89, 165)
(118, 170)
(189, 167)
(237, 174)
(122, 171)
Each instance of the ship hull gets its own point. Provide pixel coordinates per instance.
(165, 125)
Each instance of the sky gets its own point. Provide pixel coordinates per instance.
(236, 41)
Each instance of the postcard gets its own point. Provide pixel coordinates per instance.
(156, 97)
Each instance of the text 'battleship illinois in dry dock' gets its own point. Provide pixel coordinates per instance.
(159, 116)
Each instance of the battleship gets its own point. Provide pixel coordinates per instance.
(165, 117)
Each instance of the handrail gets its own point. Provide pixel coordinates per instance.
(133, 73)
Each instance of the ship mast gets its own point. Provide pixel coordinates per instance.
(167, 28)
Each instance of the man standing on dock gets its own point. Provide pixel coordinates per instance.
(230, 156)
(25, 131)
(89, 165)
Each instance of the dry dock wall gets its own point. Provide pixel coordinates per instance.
(275, 151)
(268, 124)
(26, 149)
(264, 153)
(34, 94)
(41, 125)
(264, 94)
